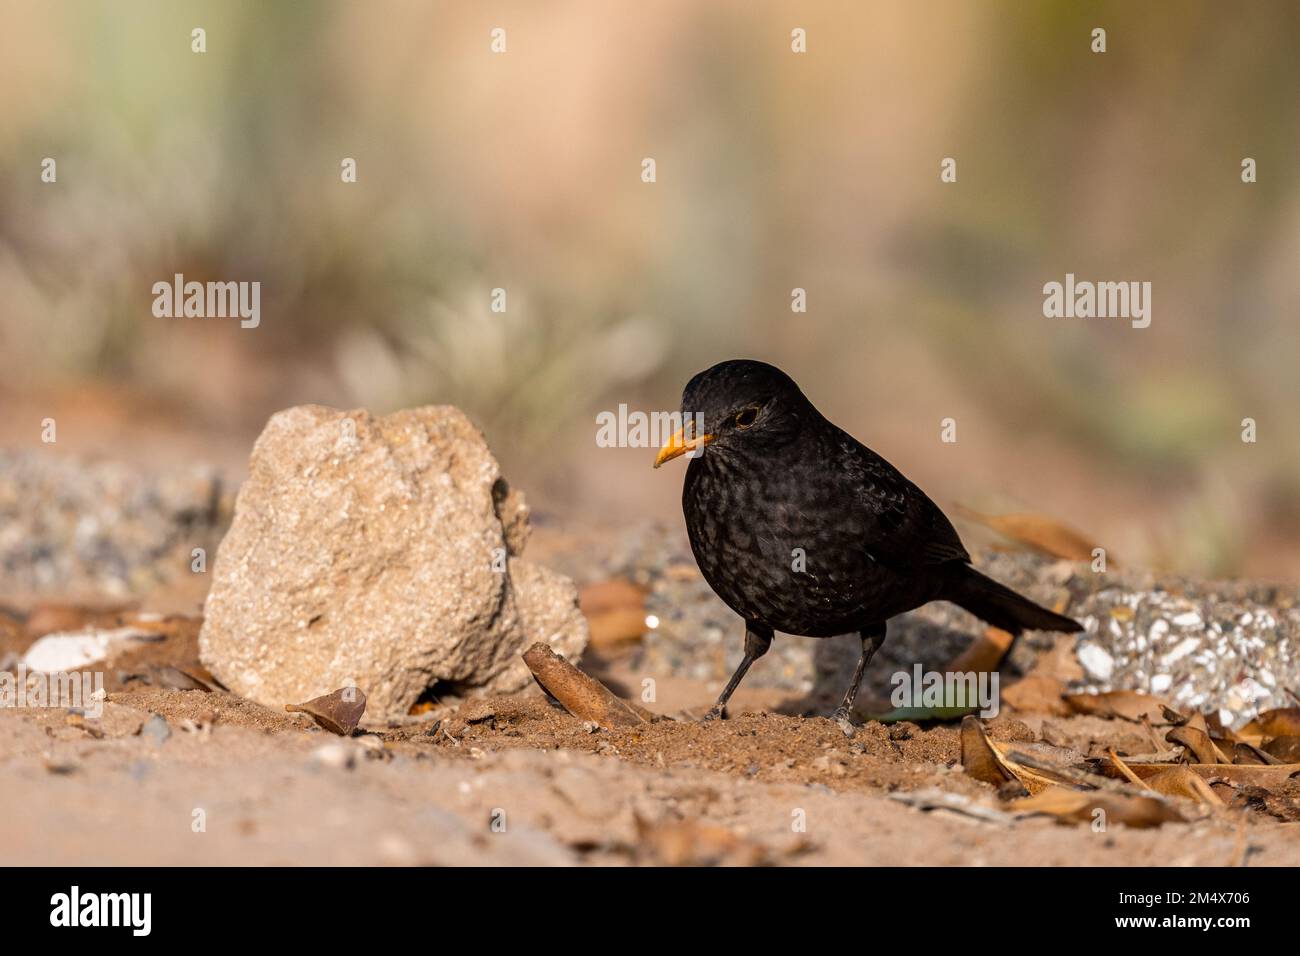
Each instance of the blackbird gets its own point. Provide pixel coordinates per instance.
(802, 529)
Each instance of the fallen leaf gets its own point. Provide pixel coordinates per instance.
(1198, 743)
(1040, 533)
(1286, 749)
(51, 617)
(1178, 781)
(978, 758)
(1246, 753)
(1123, 704)
(1061, 774)
(1038, 694)
(1196, 720)
(1219, 733)
(989, 762)
(1235, 774)
(615, 611)
(917, 715)
(1082, 806)
(339, 712)
(983, 654)
(1280, 722)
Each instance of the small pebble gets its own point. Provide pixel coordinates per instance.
(335, 756)
(156, 729)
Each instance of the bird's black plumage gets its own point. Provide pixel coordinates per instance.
(801, 528)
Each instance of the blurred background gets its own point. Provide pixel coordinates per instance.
(820, 171)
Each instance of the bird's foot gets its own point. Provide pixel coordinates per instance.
(715, 713)
(842, 720)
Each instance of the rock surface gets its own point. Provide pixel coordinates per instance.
(381, 553)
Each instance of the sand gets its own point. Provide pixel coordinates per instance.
(517, 780)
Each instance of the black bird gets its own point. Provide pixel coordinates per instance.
(800, 528)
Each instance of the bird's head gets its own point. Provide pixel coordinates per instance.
(737, 405)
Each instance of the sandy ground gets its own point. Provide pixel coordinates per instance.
(519, 781)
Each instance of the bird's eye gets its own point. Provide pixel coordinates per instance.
(745, 417)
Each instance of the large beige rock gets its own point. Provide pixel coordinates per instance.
(382, 552)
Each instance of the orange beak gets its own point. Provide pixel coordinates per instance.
(679, 444)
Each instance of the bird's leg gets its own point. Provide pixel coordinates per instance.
(871, 637)
(758, 638)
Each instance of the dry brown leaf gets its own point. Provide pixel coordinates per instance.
(610, 593)
(1178, 781)
(615, 611)
(984, 654)
(1123, 704)
(617, 627)
(1038, 694)
(1286, 749)
(1198, 743)
(47, 618)
(1039, 533)
(1081, 806)
(1195, 719)
(1279, 722)
(978, 758)
(1219, 733)
(1240, 775)
(1247, 753)
(339, 712)
(1227, 747)
(987, 761)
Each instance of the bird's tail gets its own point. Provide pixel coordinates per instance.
(1001, 606)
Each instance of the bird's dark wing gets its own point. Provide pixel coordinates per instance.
(902, 528)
